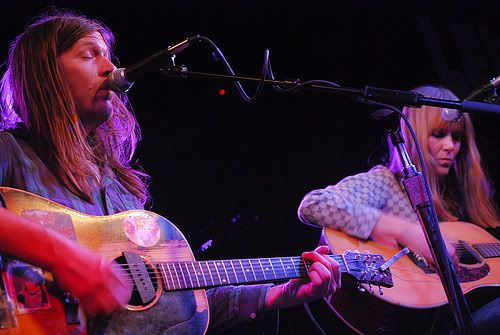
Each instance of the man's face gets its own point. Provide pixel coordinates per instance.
(86, 65)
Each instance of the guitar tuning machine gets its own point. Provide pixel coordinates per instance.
(370, 288)
(380, 290)
(361, 289)
(358, 255)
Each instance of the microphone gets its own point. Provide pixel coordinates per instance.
(479, 93)
(121, 80)
(487, 88)
(451, 114)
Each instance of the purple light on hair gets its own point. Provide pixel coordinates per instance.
(8, 116)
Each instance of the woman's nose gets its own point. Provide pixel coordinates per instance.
(448, 143)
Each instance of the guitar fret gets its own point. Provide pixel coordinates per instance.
(339, 259)
(212, 281)
(225, 281)
(196, 274)
(272, 267)
(283, 267)
(183, 278)
(202, 273)
(276, 263)
(177, 275)
(162, 267)
(262, 269)
(268, 267)
(189, 274)
(172, 275)
(305, 265)
(217, 271)
(289, 269)
(244, 272)
(234, 271)
(252, 270)
(294, 267)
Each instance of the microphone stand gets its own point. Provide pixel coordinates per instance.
(413, 180)
(414, 185)
(393, 97)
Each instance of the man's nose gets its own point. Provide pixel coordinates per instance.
(106, 67)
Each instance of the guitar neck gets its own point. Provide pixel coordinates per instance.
(488, 250)
(205, 274)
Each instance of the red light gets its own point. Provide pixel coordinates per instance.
(222, 91)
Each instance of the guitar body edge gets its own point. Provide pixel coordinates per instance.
(417, 303)
(173, 313)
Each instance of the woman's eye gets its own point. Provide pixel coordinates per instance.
(438, 134)
(456, 136)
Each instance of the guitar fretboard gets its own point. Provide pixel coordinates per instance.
(204, 274)
(488, 250)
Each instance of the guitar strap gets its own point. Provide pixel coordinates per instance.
(2, 204)
(7, 310)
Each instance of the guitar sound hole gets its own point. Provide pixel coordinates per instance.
(145, 279)
(466, 255)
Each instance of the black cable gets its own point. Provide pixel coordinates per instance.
(313, 319)
(266, 73)
(227, 66)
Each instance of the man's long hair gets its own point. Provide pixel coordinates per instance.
(35, 95)
(466, 189)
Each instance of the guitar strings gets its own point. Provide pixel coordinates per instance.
(297, 264)
(184, 279)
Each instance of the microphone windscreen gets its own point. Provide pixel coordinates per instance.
(450, 114)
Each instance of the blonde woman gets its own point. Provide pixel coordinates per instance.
(373, 205)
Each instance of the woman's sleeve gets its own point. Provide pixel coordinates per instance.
(353, 205)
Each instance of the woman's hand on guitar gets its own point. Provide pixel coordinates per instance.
(414, 239)
(324, 280)
(100, 287)
(395, 232)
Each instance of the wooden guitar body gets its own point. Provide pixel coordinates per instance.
(173, 312)
(417, 303)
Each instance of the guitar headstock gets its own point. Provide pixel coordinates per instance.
(365, 268)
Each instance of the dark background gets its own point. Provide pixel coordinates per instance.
(233, 172)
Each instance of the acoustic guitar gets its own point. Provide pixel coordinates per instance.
(417, 303)
(168, 284)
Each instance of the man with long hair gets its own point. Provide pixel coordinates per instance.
(373, 205)
(69, 138)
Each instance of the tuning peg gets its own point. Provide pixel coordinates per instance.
(361, 289)
(370, 288)
(380, 290)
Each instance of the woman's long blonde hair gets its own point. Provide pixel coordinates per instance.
(35, 94)
(465, 191)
